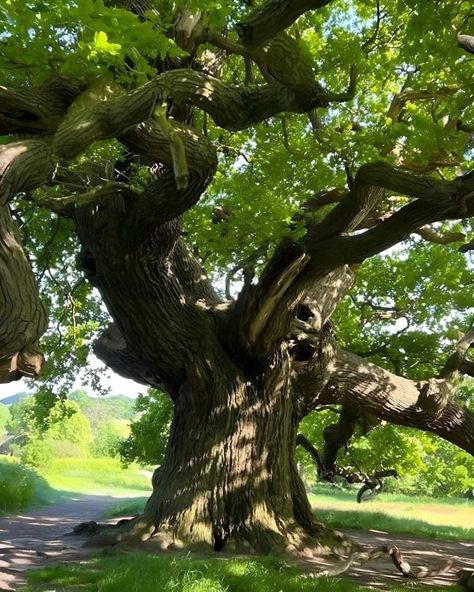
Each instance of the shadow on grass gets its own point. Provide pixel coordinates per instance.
(367, 520)
(115, 572)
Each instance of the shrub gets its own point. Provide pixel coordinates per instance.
(36, 453)
(17, 485)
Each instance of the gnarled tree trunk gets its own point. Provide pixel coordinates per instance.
(229, 477)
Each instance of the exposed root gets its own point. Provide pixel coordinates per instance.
(376, 553)
(136, 530)
(141, 532)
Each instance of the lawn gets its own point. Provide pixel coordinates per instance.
(429, 517)
(103, 476)
(116, 572)
(445, 518)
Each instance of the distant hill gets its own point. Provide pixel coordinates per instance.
(14, 398)
(102, 409)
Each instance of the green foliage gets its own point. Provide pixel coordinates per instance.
(84, 39)
(149, 433)
(17, 485)
(4, 418)
(66, 422)
(426, 465)
(51, 426)
(36, 453)
(103, 409)
(107, 438)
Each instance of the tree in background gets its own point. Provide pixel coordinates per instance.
(284, 144)
(4, 418)
(47, 427)
(149, 432)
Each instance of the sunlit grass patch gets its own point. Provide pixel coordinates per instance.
(444, 518)
(130, 507)
(178, 573)
(97, 475)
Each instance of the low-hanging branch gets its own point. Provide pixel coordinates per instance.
(428, 405)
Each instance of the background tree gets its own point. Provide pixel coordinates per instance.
(117, 117)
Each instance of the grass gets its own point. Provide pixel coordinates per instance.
(98, 476)
(116, 572)
(389, 513)
(420, 516)
(22, 487)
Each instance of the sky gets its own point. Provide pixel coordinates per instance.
(117, 384)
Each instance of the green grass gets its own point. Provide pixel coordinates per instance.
(378, 515)
(131, 507)
(116, 572)
(98, 476)
(420, 516)
(22, 487)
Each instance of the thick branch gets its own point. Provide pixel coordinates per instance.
(466, 42)
(37, 109)
(437, 201)
(26, 165)
(272, 17)
(306, 444)
(22, 315)
(440, 238)
(458, 363)
(427, 405)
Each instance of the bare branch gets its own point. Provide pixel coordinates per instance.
(401, 99)
(440, 238)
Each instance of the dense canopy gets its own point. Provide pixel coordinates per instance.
(277, 147)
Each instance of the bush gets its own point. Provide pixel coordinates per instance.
(107, 440)
(36, 453)
(149, 433)
(17, 485)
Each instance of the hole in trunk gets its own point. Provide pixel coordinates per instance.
(302, 351)
(220, 536)
(304, 313)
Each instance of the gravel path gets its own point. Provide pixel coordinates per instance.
(39, 537)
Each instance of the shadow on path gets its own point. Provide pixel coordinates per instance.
(38, 535)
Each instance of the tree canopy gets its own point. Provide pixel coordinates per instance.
(274, 202)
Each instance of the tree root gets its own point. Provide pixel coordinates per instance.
(395, 555)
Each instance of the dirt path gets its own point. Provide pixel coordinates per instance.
(37, 538)
(417, 551)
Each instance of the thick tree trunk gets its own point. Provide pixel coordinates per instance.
(229, 478)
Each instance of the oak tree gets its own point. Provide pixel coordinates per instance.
(280, 142)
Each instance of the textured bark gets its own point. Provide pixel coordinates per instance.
(22, 315)
(229, 476)
(240, 374)
(428, 405)
(272, 17)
